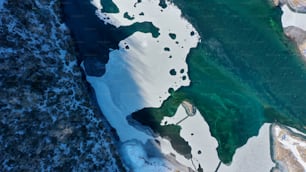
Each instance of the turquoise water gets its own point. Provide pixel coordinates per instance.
(244, 73)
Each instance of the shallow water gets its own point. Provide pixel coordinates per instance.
(244, 73)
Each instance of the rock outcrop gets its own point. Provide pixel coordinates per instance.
(289, 149)
(294, 10)
(297, 5)
(47, 120)
(298, 36)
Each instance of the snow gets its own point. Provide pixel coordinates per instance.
(290, 18)
(114, 115)
(97, 4)
(254, 156)
(199, 138)
(139, 76)
(293, 129)
(136, 157)
(144, 68)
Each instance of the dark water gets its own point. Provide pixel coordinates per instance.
(93, 37)
(244, 73)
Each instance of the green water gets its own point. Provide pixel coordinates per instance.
(243, 73)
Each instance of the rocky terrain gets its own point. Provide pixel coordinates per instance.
(297, 34)
(289, 149)
(288, 146)
(295, 5)
(47, 120)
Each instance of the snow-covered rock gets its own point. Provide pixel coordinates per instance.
(47, 120)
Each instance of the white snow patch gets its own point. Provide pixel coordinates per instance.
(290, 18)
(139, 76)
(254, 156)
(114, 115)
(195, 130)
(294, 130)
(136, 157)
(97, 4)
(138, 73)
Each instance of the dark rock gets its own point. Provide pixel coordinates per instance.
(43, 99)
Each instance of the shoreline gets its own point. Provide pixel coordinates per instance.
(128, 67)
(48, 121)
(131, 63)
(194, 136)
(190, 120)
(294, 23)
(124, 47)
(287, 148)
(257, 147)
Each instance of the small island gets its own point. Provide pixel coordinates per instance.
(189, 108)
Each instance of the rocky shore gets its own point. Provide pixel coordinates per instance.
(294, 15)
(295, 5)
(298, 35)
(47, 119)
(189, 108)
(288, 149)
(289, 146)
